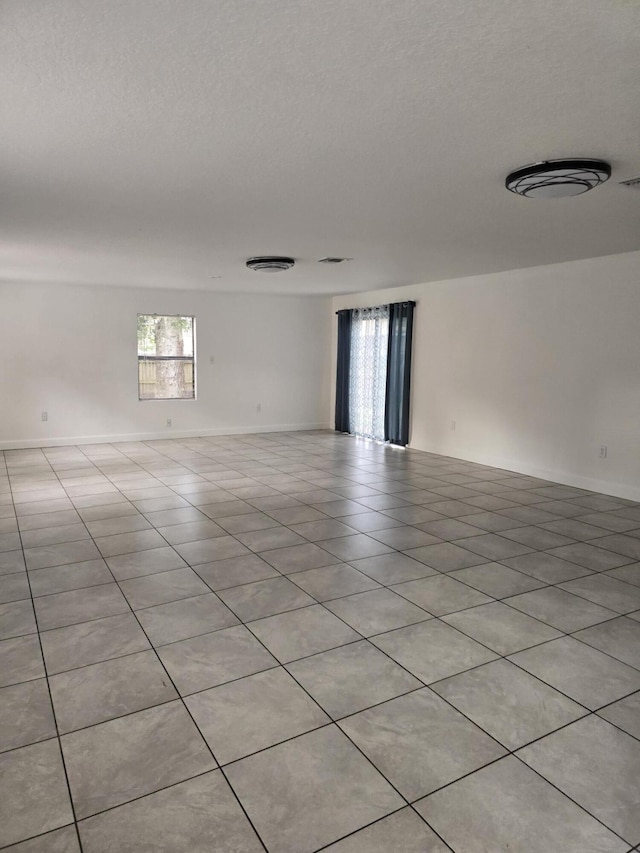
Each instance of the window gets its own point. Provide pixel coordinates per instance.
(166, 357)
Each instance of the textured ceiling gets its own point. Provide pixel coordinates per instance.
(161, 142)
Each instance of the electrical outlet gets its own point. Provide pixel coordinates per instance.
(169, 422)
(45, 416)
(259, 407)
(603, 451)
(453, 425)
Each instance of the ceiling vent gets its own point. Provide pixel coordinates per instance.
(634, 183)
(558, 178)
(270, 264)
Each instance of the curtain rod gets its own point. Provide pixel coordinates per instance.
(372, 307)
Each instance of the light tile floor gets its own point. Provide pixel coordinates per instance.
(304, 641)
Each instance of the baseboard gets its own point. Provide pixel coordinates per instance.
(65, 441)
(566, 478)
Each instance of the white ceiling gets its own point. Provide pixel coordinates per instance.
(161, 142)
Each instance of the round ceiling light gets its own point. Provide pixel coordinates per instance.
(332, 260)
(558, 178)
(270, 264)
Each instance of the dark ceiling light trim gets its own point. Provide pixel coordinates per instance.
(270, 264)
(558, 178)
(331, 260)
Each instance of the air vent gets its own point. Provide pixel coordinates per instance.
(270, 264)
(634, 183)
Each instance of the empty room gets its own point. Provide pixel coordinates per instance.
(319, 426)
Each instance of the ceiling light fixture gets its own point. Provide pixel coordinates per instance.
(333, 260)
(632, 183)
(270, 264)
(558, 178)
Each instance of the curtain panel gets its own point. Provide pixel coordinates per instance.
(343, 370)
(398, 391)
(373, 380)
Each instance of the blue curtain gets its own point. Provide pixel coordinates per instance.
(343, 370)
(396, 425)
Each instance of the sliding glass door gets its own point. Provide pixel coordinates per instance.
(368, 371)
(373, 375)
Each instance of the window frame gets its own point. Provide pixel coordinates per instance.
(156, 358)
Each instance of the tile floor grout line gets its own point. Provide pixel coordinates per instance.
(430, 685)
(43, 835)
(429, 615)
(380, 820)
(602, 652)
(51, 705)
(481, 665)
(333, 722)
(613, 618)
(569, 797)
(424, 686)
(197, 727)
(367, 639)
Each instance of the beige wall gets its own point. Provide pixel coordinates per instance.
(72, 351)
(538, 368)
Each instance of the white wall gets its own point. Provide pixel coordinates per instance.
(538, 368)
(72, 352)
